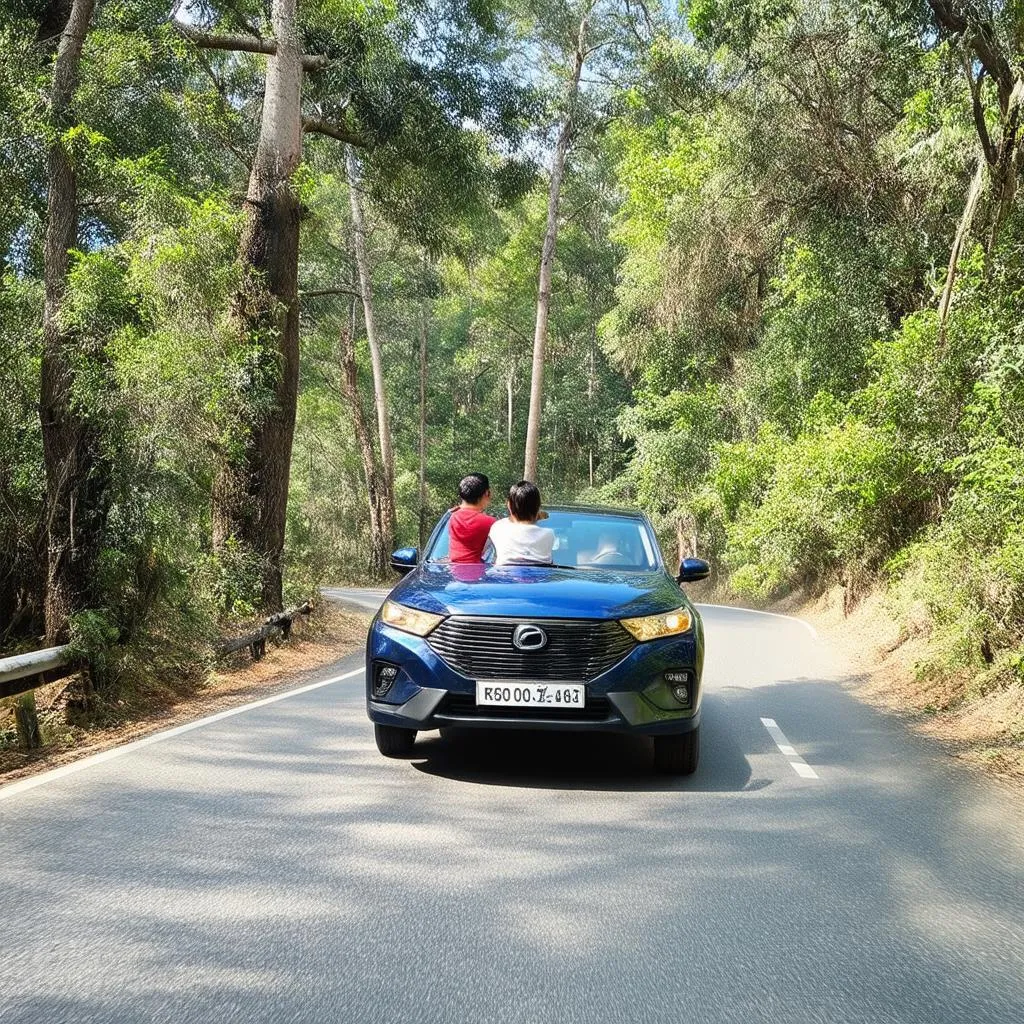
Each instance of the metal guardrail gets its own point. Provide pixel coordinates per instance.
(23, 672)
(256, 641)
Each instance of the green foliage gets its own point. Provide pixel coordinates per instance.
(22, 484)
(825, 308)
(163, 383)
(965, 575)
(680, 294)
(673, 436)
(833, 506)
(736, 23)
(792, 177)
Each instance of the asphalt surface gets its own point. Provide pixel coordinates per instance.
(270, 866)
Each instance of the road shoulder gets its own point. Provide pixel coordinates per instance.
(312, 651)
(982, 730)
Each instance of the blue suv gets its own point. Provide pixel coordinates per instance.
(604, 639)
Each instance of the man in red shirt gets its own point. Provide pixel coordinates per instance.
(469, 525)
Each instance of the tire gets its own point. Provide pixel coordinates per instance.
(677, 755)
(392, 741)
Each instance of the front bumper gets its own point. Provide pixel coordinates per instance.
(630, 697)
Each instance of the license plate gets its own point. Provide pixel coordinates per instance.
(531, 695)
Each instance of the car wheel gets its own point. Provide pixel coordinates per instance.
(677, 755)
(393, 741)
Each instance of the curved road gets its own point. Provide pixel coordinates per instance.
(268, 865)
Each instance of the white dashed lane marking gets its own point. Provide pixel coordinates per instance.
(796, 762)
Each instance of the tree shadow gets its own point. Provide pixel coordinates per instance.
(274, 867)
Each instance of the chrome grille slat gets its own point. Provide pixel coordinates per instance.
(577, 649)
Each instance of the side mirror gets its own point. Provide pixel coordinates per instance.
(404, 560)
(693, 569)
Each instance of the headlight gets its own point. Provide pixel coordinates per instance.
(650, 627)
(409, 619)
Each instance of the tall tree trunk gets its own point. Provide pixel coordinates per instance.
(1005, 168)
(423, 422)
(510, 381)
(547, 260)
(381, 539)
(591, 386)
(251, 492)
(686, 537)
(376, 360)
(974, 192)
(76, 476)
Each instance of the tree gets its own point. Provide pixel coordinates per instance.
(572, 31)
(386, 498)
(986, 55)
(74, 472)
(547, 254)
(250, 498)
(382, 509)
(250, 495)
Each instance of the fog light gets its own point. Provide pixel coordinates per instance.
(679, 682)
(384, 678)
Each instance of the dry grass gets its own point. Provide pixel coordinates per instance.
(329, 634)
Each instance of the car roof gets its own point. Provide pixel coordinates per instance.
(600, 510)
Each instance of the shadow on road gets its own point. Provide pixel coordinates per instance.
(606, 762)
(273, 867)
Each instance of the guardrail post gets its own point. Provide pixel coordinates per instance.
(26, 721)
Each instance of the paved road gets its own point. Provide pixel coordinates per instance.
(364, 598)
(270, 866)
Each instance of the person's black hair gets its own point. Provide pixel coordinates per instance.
(524, 500)
(473, 487)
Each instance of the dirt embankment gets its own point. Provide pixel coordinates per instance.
(330, 634)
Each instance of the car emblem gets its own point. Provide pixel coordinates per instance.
(529, 638)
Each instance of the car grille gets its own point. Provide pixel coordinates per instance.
(577, 649)
(464, 705)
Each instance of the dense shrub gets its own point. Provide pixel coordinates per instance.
(833, 505)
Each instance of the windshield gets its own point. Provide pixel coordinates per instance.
(583, 540)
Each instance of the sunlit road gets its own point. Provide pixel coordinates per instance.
(270, 866)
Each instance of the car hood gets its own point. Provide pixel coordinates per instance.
(537, 591)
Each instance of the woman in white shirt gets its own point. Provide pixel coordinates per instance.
(519, 539)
